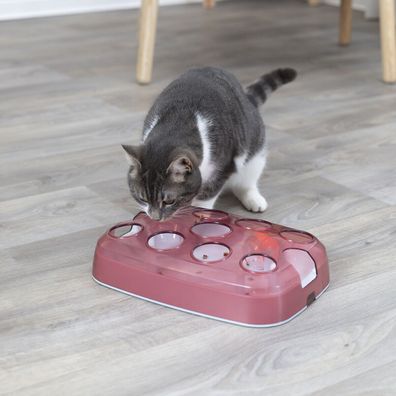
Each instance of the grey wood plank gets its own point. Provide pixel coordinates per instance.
(39, 217)
(28, 75)
(375, 382)
(353, 159)
(66, 112)
(40, 256)
(45, 174)
(71, 139)
(235, 359)
(117, 192)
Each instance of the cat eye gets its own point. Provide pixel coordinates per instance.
(169, 201)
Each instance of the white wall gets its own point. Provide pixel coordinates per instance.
(370, 7)
(15, 9)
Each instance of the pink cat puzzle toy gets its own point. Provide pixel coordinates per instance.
(244, 271)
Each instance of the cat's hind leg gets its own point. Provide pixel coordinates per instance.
(243, 183)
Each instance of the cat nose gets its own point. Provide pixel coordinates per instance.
(155, 214)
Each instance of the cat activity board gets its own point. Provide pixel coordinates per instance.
(208, 262)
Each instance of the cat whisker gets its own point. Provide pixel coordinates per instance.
(181, 211)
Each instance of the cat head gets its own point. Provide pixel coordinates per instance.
(161, 185)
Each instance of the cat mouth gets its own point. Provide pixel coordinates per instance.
(163, 218)
(160, 217)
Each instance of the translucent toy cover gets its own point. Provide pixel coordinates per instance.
(211, 259)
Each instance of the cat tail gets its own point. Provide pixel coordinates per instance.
(259, 91)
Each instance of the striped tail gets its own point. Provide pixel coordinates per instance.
(260, 90)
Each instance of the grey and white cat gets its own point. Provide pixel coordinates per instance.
(203, 133)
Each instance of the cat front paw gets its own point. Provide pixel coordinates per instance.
(253, 201)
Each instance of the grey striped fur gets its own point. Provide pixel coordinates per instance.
(203, 131)
(259, 91)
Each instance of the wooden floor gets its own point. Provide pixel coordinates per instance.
(68, 99)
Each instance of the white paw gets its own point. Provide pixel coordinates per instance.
(252, 200)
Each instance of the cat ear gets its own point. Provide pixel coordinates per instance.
(133, 154)
(180, 168)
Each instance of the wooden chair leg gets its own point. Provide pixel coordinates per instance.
(209, 3)
(313, 2)
(388, 40)
(345, 22)
(147, 31)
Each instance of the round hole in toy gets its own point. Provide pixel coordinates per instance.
(125, 230)
(210, 252)
(297, 236)
(303, 263)
(256, 225)
(165, 241)
(213, 215)
(258, 263)
(211, 230)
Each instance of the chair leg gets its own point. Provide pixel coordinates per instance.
(209, 3)
(147, 31)
(313, 2)
(345, 22)
(388, 40)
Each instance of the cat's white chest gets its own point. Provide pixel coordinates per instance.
(207, 166)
